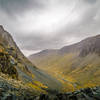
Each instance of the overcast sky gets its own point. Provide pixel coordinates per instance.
(45, 24)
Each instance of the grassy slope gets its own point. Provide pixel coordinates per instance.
(78, 71)
(58, 66)
(72, 70)
(87, 71)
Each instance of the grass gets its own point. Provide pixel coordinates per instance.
(82, 71)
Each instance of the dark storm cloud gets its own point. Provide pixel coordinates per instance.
(35, 24)
(91, 1)
(12, 7)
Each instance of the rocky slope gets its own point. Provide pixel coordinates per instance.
(16, 66)
(82, 94)
(9, 92)
(77, 64)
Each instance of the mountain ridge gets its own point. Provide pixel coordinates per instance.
(73, 62)
(67, 48)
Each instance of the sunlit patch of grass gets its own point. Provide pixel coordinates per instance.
(37, 86)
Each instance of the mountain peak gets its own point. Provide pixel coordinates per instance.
(1, 27)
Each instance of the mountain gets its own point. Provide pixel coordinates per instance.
(78, 64)
(17, 72)
(69, 68)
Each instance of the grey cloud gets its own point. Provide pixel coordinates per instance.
(91, 1)
(38, 42)
(12, 7)
(88, 24)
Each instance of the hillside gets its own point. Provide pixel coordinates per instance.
(78, 63)
(16, 68)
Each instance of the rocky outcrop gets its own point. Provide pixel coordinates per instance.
(83, 94)
(10, 93)
(91, 45)
(7, 65)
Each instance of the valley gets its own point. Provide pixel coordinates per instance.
(78, 63)
(70, 73)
